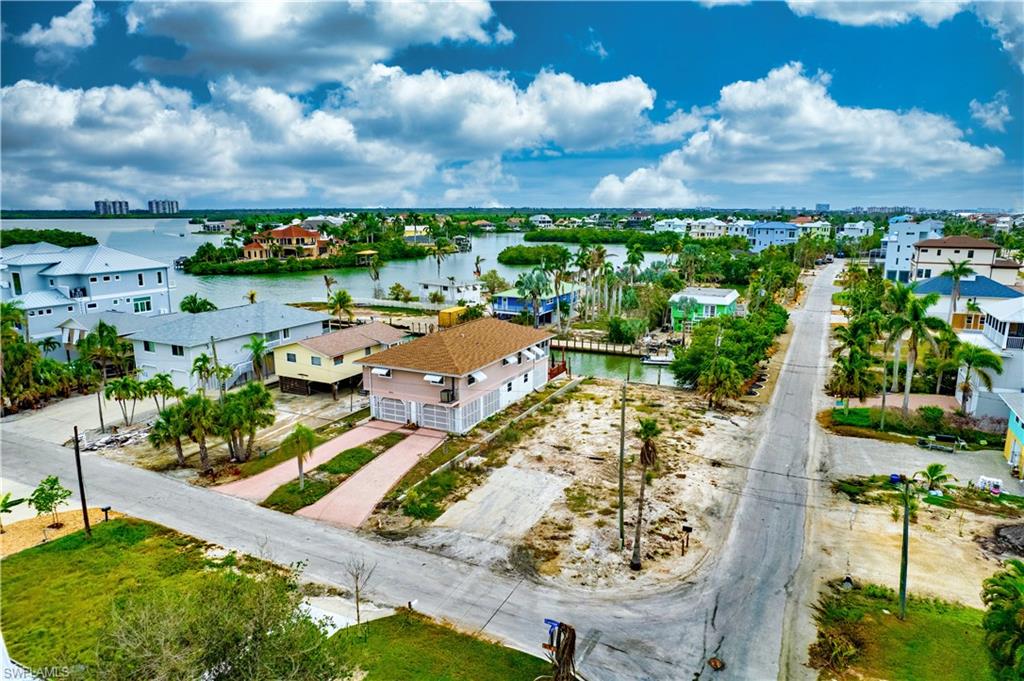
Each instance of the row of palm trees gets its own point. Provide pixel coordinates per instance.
(894, 316)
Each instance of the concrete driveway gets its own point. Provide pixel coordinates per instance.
(258, 487)
(352, 502)
(56, 422)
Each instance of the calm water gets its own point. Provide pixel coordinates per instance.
(615, 367)
(159, 239)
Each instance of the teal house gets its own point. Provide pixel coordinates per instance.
(697, 303)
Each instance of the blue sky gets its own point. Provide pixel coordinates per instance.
(514, 104)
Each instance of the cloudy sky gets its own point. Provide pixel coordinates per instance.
(366, 104)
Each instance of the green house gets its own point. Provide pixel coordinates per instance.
(696, 303)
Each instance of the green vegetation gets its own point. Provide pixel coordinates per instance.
(409, 646)
(531, 255)
(647, 241)
(57, 237)
(291, 496)
(424, 502)
(1003, 593)
(921, 423)
(878, 489)
(324, 433)
(859, 633)
(208, 262)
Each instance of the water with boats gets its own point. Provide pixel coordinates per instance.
(167, 239)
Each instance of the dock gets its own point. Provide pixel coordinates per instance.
(601, 347)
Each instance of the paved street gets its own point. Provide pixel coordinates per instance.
(736, 607)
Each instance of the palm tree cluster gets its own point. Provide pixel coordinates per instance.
(891, 317)
(193, 303)
(1003, 595)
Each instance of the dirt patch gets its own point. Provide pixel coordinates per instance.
(563, 476)
(1006, 541)
(25, 534)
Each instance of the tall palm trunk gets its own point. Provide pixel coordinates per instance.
(965, 393)
(99, 404)
(635, 562)
(911, 362)
(204, 455)
(952, 301)
(179, 451)
(249, 444)
(881, 424)
(896, 366)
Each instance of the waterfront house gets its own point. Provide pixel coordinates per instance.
(470, 292)
(672, 225)
(484, 225)
(899, 241)
(1002, 332)
(856, 230)
(509, 304)
(52, 283)
(1014, 432)
(330, 359)
(322, 222)
(453, 379)
(541, 221)
(707, 302)
(287, 242)
(77, 326)
(738, 228)
(172, 347)
(761, 235)
(218, 226)
(974, 291)
(514, 223)
(708, 228)
(931, 258)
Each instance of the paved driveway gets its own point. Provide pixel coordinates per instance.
(352, 502)
(56, 422)
(258, 487)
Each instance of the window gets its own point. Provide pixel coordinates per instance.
(272, 336)
(508, 387)
(339, 360)
(70, 308)
(149, 346)
(290, 356)
(91, 306)
(315, 361)
(938, 252)
(142, 279)
(31, 313)
(286, 333)
(177, 351)
(970, 254)
(117, 277)
(106, 277)
(924, 250)
(16, 280)
(92, 280)
(368, 352)
(471, 380)
(143, 304)
(159, 277)
(526, 378)
(116, 301)
(709, 310)
(51, 282)
(957, 251)
(49, 310)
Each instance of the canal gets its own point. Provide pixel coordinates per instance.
(169, 238)
(616, 367)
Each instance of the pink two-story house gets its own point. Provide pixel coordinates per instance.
(456, 378)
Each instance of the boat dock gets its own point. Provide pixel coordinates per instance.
(587, 345)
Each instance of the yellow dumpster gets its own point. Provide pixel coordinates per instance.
(450, 316)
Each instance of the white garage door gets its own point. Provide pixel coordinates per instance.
(392, 410)
(433, 416)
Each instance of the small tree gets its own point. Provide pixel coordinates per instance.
(359, 573)
(719, 380)
(7, 505)
(399, 292)
(647, 432)
(935, 475)
(436, 297)
(1003, 594)
(48, 497)
(300, 443)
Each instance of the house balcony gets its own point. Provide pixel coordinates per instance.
(1013, 339)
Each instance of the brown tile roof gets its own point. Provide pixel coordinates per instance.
(956, 242)
(290, 231)
(353, 338)
(461, 349)
(1006, 263)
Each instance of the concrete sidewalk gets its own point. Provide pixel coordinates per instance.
(352, 502)
(259, 486)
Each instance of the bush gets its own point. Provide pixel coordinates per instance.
(399, 292)
(436, 297)
(530, 255)
(932, 417)
(625, 331)
(424, 502)
(921, 424)
(57, 237)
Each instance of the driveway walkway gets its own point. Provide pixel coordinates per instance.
(353, 501)
(258, 487)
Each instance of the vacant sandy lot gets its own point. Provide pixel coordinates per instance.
(553, 505)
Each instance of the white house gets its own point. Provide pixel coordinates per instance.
(173, 346)
(53, 283)
(541, 220)
(932, 257)
(739, 228)
(899, 241)
(856, 230)
(672, 225)
(708, 228)
(1003, 334)
(469, 291)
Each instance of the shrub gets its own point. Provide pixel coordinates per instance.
(399, 292)
(625, 330)
(530, 255)
(932, 417)
(424, 502)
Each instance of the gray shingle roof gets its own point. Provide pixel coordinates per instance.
(47, 298)
(126, 323)
(191, 330)
(97, 259)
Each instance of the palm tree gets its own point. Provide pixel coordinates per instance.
(477, 261)
(946, 343)
(299, 443)
(634, 258)
(442, 249)
(161, 386)
(48, 344)
(259, 411)
(339, 303)
(250, 296)
(193, 303)
(894, 302)
(647, 432)
(259, 348)
(451, 286)
(915, 321)
(854, 337)
(1003, 594)
(935, 475)
(7, 505)
(851, 377)
(121, 390)
(534, 285)
(956, 272)
(200, 416)
(204, 369)
(980, 361)
(719, 380)
(373, 268)
(329, 281)
(101, 346)
(169, 427)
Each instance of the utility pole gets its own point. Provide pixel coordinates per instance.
(81, 486)
(622, 462)
(905, 549)
(216, 366)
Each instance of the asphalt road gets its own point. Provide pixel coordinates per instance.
(736, 607)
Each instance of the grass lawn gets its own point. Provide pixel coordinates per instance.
(57, 597)
(864, 422)
(323, 434)
(410, 647)
(938, 641)
(288, 498)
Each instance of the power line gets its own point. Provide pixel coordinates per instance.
(760, 470)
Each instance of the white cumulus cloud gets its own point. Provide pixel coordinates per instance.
(72, 31)
(294, 46)
(644, 187)
(993, 115)
(874, 13)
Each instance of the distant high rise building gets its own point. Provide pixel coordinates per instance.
(111, 207)
(163, 206)
(821, 207)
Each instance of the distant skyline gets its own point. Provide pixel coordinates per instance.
(588, 105)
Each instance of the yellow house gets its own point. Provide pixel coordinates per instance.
(330, 359)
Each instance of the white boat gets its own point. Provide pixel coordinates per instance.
(658, 360)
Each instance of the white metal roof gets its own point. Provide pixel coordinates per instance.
(1009, 310)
